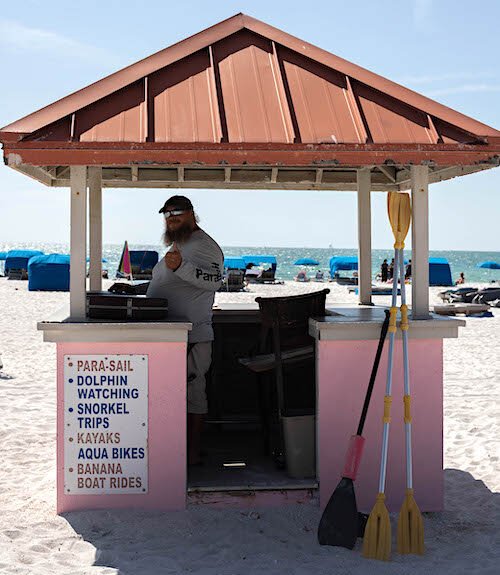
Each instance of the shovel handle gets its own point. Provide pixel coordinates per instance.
(353, 456)
(383, 333)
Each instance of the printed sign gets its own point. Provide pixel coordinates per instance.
(105, 424)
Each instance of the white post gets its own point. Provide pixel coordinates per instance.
(364, 237)
(78, 241)
(420, 241)
(95, 231)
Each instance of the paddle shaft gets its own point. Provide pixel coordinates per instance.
(388, 387)
(373, 375)
(409, 470)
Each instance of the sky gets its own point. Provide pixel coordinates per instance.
(445, 49)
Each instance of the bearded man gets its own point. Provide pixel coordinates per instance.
(188, 276)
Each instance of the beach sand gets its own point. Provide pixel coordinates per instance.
(465, 538)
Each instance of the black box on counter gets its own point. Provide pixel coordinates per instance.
(103, 305)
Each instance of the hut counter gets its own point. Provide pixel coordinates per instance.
(346, 343)
(122, 425)
(121, 413)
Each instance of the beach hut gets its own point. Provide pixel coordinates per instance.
(18, 260)
(203, 114)
(143, 262)
(234, 274)
(234, 263)
(340, 264)
(49, 273)
(439, 272)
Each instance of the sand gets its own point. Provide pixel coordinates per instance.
(465, 538)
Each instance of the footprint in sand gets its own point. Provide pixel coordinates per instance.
(12, 534)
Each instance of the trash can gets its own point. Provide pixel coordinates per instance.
(299, 432)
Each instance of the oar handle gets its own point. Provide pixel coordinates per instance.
(373, 376)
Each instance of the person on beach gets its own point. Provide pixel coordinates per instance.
(188, 276)
(461, 279)
(319, 276)
(384, 270)
(408, 271)
(390, 271)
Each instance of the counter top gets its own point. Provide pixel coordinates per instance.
(355, 322)
(345, 322)
(61, 327)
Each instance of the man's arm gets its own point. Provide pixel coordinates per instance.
(206, 272)
(207, 276)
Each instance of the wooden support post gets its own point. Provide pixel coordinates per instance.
(364, 237)
(78, 245)
(420, 241)
(95, 235)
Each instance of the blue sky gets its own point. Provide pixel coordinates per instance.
(444, 49)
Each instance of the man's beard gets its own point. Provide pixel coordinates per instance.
(181, 234)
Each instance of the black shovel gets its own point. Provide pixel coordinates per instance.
(340, 522)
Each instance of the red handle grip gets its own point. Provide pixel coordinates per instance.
(353, 456)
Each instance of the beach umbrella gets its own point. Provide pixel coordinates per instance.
(489, 265)
(377, 537)
(306, 262)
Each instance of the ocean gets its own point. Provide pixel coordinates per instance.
(460, 261)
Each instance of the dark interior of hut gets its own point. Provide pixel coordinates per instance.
(243, 444)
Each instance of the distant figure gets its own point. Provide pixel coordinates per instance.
(390, 274)
(408, 271)
(301, 276)
(252, 272)
(461, 279)
(319, 276)
(384, 270)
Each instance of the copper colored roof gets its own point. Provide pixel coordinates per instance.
(243, 93)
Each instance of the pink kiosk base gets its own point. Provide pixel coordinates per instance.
(346, 346)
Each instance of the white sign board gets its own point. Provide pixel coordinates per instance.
(105, 424)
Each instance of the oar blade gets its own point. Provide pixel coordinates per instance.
(410, 527)
(377, 539)
(339, 522)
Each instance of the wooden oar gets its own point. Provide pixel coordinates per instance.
(377, 538)
(410, 524)
(339, 524)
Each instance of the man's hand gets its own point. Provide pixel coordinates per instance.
(173, 258)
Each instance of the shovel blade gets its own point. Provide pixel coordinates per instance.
(339, 522)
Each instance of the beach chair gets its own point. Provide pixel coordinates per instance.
(17, 274)
(234, 281)
(284, 340)
(487, 295)
(266, 276)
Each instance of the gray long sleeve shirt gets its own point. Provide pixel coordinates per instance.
(190, 290)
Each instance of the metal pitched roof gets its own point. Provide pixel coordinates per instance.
(245, 105)
(244, 81)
